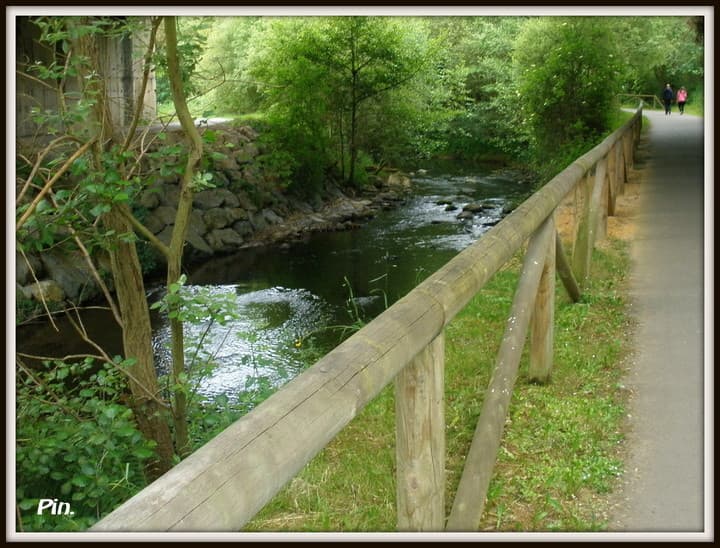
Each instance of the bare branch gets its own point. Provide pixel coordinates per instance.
(93, 269)
(140, 100)
(42, 297)
(38, 162)
(69, 162)
(142, 229)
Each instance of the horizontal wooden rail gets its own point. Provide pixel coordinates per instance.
(226, 482)
(654, 99)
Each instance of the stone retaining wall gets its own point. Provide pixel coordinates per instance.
(246, 208)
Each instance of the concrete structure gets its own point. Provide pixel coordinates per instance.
(121, 65)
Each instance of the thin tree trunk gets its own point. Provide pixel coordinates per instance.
(177, 241)
(151, 417)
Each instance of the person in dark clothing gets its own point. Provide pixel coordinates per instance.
(667, 98)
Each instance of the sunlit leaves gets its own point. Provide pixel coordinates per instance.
(567, 74)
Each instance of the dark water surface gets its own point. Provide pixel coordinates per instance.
(289, 298)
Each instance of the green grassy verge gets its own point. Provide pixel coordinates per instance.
(561, 451)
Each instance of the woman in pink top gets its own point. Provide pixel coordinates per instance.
(681, 98)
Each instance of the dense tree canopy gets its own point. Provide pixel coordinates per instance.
(341, 91)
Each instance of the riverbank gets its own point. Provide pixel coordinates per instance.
(245, 206)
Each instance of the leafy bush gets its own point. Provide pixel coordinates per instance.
(567, 72)
(76, 442)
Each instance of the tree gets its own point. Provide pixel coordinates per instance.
(322, 76)
(658, 50)
(88, 191)
(478, 58)
(567, 72)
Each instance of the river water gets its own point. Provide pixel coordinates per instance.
(296, 302)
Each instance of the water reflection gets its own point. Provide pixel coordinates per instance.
(262, 340)
(335, 279)
(287, 294)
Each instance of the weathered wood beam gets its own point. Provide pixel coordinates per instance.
(470, 498)
(225, 483)
(420, 441)
(542, 328)
(565, 272)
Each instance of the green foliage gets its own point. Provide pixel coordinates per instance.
(658, 50)
(197, 306)
(326, 83)
(75, 441)
(487, 115)
(192, 37)
(567, 77)
(239, 93)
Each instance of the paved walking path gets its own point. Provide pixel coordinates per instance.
(665, 479)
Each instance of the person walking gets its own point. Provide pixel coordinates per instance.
(681, 99)
(667, 98)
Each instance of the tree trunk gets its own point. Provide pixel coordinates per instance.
(150, 413)
(151, 416)
(182, 219)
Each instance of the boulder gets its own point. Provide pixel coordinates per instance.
(46, 290)
(170, 196)
(72, 274)
(23, 275)
(237, 214)
(243, 228)
(257, 220)
(246, 154)
(475, 207)
(226, 163)
(150, 199)
(165, 214)
(197, 223)
(166, 235)
(229, 199)
(271, 217)
(224, 239)
(200, 247)
(398, 180)
(208, 199)
(217, 218)
(154, 223)
(216, 197)
(247, 132)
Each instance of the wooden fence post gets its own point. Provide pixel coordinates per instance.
(612, 181)
(565, 272)
(580, 256)
(620, 167)
(628, 146)
(543, 318)
(420, 440)
(597, 207)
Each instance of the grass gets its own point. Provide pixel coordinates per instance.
(561, 452)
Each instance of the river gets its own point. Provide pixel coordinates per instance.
(296, 302)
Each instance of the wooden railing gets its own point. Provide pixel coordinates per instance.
(651, 100)
(225, 483)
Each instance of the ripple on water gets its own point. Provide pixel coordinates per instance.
(260, 342)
